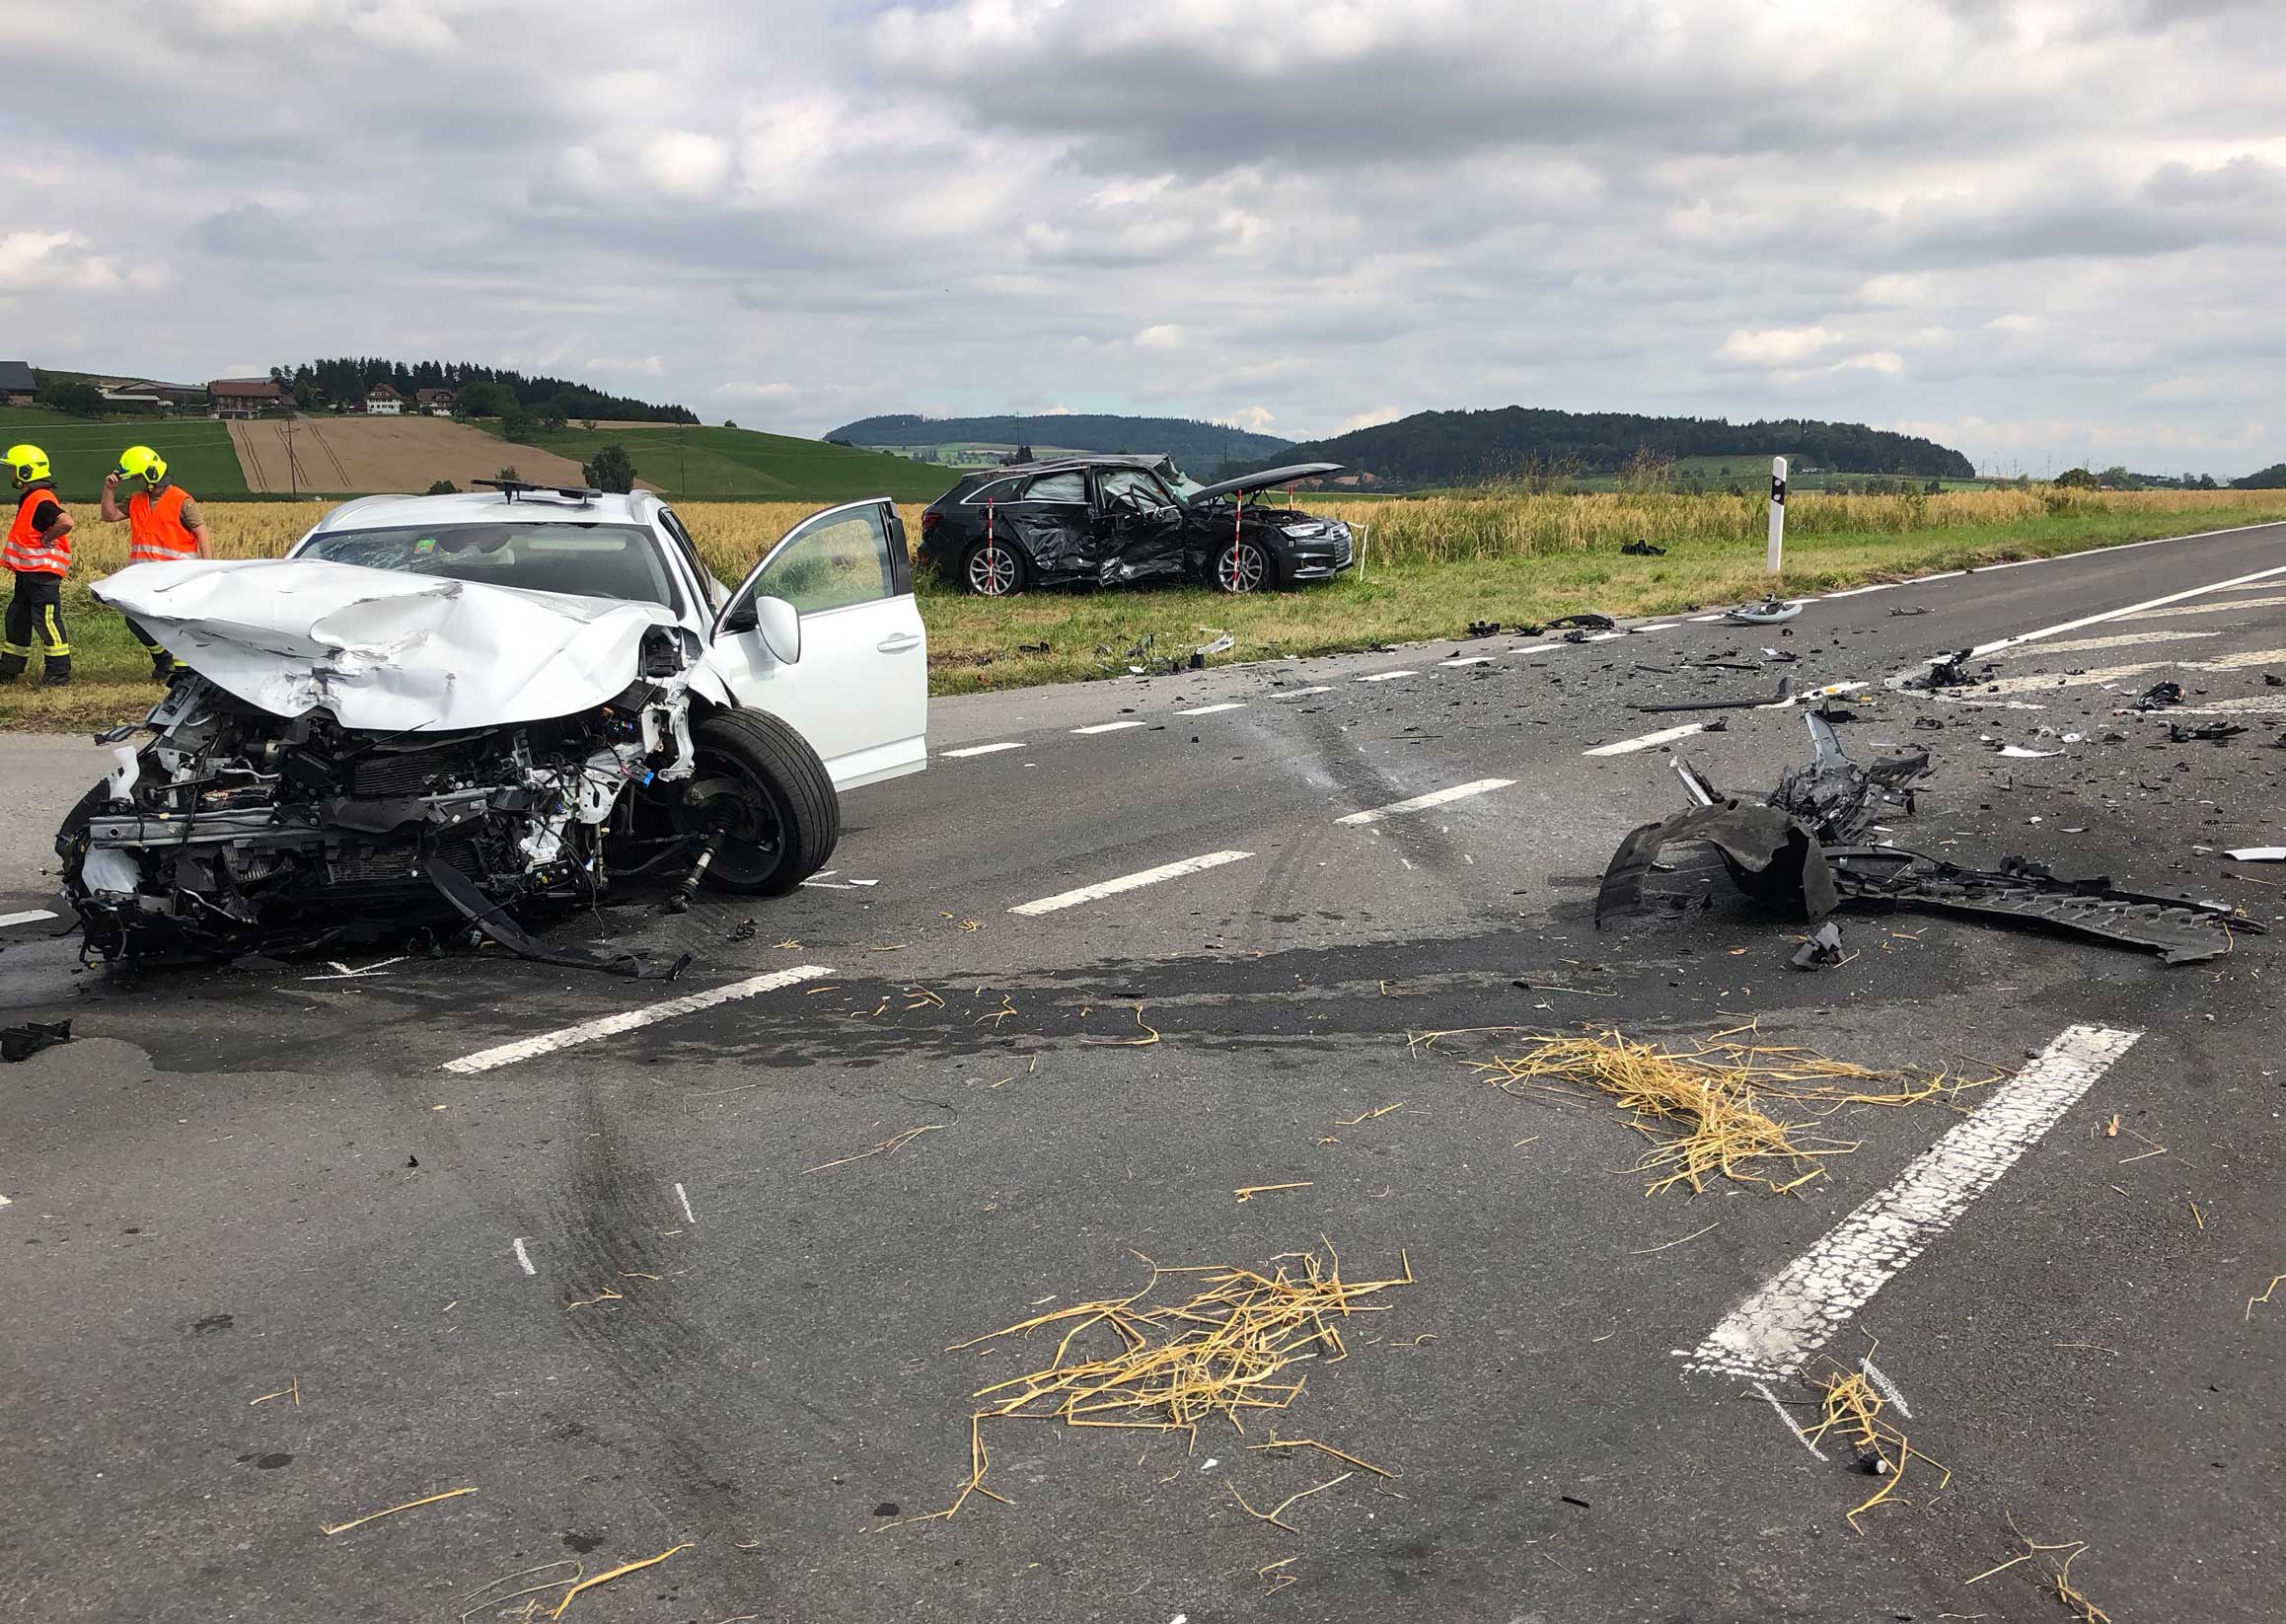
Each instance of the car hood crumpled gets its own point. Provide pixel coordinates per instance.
(384, 650)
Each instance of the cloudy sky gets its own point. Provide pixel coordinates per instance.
(2046, 233)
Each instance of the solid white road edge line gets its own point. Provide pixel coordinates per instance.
(1774, 1332)
(977, 750)
(626, 1020)
(1106, 727)
(1435, 797)
(1129, 882)
(2121, 614)
(31, 915)
(1210, 709)
(1666, 735)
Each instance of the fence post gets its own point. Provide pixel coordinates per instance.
(1777, 513)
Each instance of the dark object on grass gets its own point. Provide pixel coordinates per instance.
(2159, 695)
(1483, 628)
(23, 1041)
(1641, 548)
(1041, 648)
(1820, 949)
(2217, 732)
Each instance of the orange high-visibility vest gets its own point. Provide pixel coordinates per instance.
(26, 552)
(155, 527)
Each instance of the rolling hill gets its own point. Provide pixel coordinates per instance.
(1194, 444)
(1446, 448)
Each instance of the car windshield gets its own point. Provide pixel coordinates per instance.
(621, 562)
(1185, 487)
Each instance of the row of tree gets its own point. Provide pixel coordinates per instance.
(1444, 448)
(495, 389)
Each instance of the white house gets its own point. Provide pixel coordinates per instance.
(381, 400)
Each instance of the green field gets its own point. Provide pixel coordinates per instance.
(729, 463)
(198, 450)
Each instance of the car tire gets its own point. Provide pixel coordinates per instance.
(993, 569)
(802, 812)
(1255, 573)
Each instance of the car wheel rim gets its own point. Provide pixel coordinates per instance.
(992, 571)
(1240, 569)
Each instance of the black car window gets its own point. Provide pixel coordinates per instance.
(1132, 488)
(996, 490)
(1069, 485)
(621, 562)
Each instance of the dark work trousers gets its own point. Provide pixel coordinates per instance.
(35, 614)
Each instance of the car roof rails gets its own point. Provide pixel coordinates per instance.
(514, 488)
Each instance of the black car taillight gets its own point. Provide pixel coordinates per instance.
(930, 520)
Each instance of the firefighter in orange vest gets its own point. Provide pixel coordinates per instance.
(164, 525)
(38, 554)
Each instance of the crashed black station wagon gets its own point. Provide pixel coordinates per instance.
(1106, 520)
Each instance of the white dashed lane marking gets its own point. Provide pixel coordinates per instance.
(31, 915)
(1129, 882)
(1435, 797)
(1666, 735)
(626, 1020)
(1210, 709)
(1384, 676)
(1303, 693)
(978, 750)
(1472, 659)
(1107, 727)
(1775, 1331)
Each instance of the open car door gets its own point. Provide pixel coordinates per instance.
(824, 633)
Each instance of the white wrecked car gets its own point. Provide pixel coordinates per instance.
(466, 704)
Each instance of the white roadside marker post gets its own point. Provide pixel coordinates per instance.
(1777, 513)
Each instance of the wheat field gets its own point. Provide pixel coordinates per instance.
(1421, 529)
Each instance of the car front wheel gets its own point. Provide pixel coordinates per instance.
(758, 784)
(1246, 568)
(992, 569)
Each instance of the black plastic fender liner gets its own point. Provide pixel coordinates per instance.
(1772, 858)
(492, 918)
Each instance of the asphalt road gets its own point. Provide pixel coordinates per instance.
(608, 1280)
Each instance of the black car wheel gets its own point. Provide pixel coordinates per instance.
(1244, 568)
(758, 782)
(992, 569)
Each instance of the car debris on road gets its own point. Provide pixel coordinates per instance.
(1798, 850)
(1769, 611)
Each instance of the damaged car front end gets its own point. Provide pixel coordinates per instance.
(358, 755)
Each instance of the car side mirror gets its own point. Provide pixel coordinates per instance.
(742, 617)
(780, 625)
